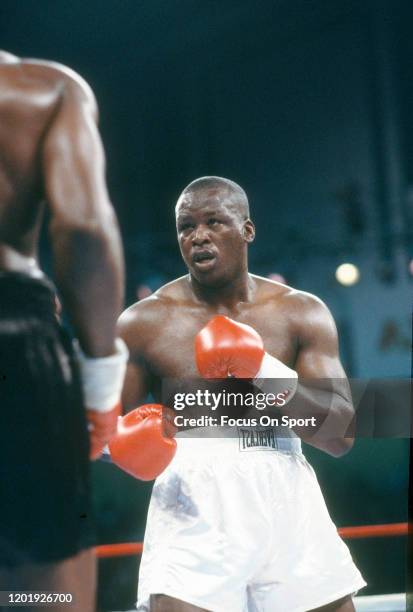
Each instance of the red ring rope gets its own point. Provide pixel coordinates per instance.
(360, 531)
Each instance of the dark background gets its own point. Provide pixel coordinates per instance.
(305, 103)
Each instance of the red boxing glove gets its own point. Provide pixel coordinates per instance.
(227, 348)
(144, 444)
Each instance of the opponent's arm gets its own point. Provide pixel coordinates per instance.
(85, 239)
(87, 252)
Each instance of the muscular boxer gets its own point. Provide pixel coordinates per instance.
(51, 158)
(232, 530)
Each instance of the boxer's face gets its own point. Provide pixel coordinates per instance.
(212, 236)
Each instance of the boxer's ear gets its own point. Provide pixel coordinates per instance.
(248, 231)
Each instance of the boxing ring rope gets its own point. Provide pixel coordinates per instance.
(105, 551)
(374, 531)
(118, 550)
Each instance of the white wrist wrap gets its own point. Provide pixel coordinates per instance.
(272, 368)
(102, 377)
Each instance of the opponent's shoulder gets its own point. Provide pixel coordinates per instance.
(138, 315)
(72, 87)
(173, 292)
(142, 316)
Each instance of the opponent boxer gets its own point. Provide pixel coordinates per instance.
(229, 529)
(51, 158)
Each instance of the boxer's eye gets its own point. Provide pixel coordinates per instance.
(185, 226)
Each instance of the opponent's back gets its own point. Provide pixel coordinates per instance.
(30, 97)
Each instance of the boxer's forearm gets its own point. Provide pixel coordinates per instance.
(323, 405)
(89, 274)
(330, 413)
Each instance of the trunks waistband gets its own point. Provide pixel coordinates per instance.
(25, 295)
(20, 278)
(237, 439)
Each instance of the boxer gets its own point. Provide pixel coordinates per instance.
(51, 158)
(227, 529)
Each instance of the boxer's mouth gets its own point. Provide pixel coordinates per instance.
(204, 259)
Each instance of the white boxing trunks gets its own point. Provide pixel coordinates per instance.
(240, 525)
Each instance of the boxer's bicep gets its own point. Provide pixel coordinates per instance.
(323, 384)
(74, 162)
(318, 360)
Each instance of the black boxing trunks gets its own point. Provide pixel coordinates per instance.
(45, 512)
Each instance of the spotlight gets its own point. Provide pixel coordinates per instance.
(347, 274)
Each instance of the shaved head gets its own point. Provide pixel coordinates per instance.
(220, 188)
(214, 230)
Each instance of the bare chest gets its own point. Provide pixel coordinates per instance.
(171, 353)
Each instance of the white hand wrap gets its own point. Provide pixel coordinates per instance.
(272, 368)
(102, 377)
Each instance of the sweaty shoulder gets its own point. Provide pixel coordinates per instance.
(70, 83)
(42, 82)
(299, 300)
(307, 314)
(138, 323)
